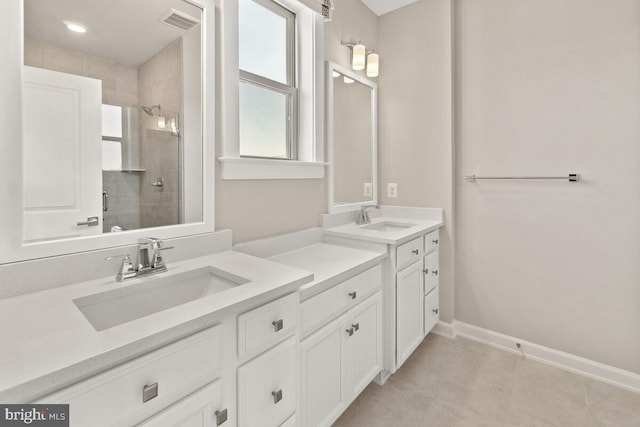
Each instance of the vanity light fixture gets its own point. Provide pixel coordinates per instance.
(373, 64)
(75, 27)
(362, 58)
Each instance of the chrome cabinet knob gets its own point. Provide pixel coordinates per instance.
(425, 271)
(353, 295)
(435, 310)
(278, 324)
(349, 331)
(415, 251)
(356, 326)
(435, 272)
(435, 242)
(277, 396)
(221, 416)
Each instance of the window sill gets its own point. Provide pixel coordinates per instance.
(239, 168)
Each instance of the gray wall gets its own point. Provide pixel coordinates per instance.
(545, 88)
(415, 125)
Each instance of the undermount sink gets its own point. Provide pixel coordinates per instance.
(152, 295)
(387, 226)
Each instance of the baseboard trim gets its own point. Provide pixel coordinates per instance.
(569, 362)
(445, 329)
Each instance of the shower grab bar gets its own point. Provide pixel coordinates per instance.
(572, 177)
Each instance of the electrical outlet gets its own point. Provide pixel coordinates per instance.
(392, 189)
(368, 189)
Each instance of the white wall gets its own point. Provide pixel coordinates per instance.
(415, 120)
(551, 87)
(256, 209)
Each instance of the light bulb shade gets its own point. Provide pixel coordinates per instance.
(373, 65)
(358, 57)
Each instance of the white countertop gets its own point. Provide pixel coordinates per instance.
(330, 264)
(47, 343)
(396, 237)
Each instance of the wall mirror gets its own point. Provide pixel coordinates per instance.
(116, 126)
(352, 139)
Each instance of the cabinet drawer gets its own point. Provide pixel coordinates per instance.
(431, 310)
(316, 311)
(267, 387)
(291, 422)
(116, 396)
(262, 327)
(431, 241)
(408, 252)
(431, 271)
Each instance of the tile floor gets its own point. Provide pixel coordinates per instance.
(463, 383)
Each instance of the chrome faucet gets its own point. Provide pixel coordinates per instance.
(149, 259)
(363, 216)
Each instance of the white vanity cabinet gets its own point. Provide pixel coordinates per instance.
(338, 360)
(416, 292)
(143, 387)
(268, 383)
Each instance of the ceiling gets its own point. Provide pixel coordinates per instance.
(380, 7)
(126, 31)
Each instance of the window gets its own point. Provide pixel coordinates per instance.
(272, 91)
(267, 90)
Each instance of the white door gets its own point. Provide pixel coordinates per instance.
(366, 344)
(409, 309)
(62, 154)
(323, 377)
(196, 410)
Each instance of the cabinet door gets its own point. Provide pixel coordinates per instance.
(431, 310)
(323, 382)
(409, 309)
(431, 271)
(196, 410)
(365, 345)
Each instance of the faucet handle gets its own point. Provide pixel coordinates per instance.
(127, 269)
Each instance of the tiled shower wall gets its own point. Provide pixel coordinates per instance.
(160, 82)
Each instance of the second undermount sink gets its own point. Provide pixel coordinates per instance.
(387, 226)
(152, 295)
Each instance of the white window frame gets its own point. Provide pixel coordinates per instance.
(309, 76)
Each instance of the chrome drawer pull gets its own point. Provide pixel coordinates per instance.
(149, 392)
(277, 396)
(349, 331)
(221, 416)
(353, 295)
(356, 326)
(415, 252)
(278, 324)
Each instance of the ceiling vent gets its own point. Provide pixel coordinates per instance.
(179, 20)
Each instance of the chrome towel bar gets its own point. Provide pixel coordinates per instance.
(572, 177)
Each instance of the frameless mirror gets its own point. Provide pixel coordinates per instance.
(352, 139)
(114, 131)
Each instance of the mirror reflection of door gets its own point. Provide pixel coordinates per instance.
(144, 57)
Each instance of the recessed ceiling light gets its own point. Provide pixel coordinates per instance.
(76, 28)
